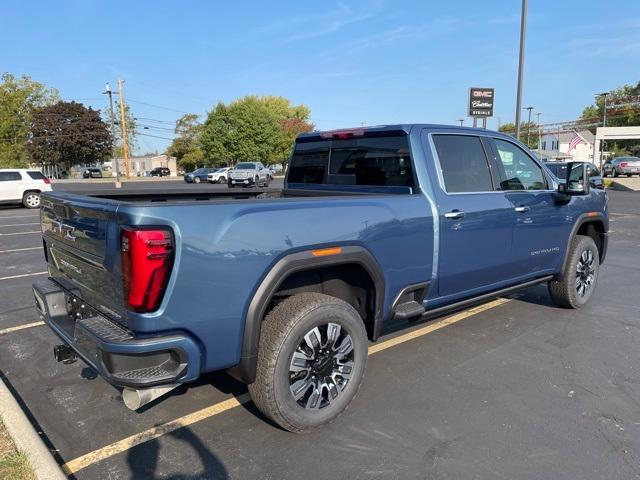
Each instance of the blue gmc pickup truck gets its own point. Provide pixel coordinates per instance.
(393, 222)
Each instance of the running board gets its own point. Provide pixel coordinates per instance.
(435, 312)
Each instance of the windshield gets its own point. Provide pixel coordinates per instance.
(245, 166)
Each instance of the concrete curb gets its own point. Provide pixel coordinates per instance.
(27, 439)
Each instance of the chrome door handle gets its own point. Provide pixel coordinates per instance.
(522, 209)
(455, 214)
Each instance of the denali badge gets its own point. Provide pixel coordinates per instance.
(63, 229)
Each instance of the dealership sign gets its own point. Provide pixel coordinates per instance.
(481, 102)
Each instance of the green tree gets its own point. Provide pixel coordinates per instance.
(623, 110)
(252, 128)
(67, 134)
(525, 127)
(18, 98)
(185, 146)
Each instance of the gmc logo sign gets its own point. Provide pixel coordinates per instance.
(481, 102)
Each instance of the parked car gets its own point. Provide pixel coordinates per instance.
(23, 186)
(373, 225)
(199, 175)
(92, 172)
(559, 169)
(247, 174)
(219, 176)
(621, 166)
(160, 172)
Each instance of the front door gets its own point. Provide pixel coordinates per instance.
(476, 220)
(10, 185)
(540, 222)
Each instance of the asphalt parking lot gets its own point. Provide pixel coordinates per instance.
(514, 389)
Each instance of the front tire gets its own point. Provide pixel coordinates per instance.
(581, 274)
(614, 173)
(31, 200)
(311, 361)
(196, 180)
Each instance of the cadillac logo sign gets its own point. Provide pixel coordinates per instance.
(481, 102)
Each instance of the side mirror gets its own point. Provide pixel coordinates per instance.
(577, 180)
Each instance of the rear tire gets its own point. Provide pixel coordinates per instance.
(299, 387)
(576, 286)
(196, 180)
(31, 200)
(222, 180)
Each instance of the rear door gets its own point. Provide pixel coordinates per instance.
(10, 185)
(540, 223)
(475, 219)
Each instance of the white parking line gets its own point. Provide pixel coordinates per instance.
(23, 275)
(20, 224)
(21, 249)
(19, 233)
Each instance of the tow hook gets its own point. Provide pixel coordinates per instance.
(65, 354)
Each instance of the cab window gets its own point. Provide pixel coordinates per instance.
(520, 171)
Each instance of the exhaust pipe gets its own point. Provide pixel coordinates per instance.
(135, 399)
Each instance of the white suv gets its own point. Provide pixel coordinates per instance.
(22, 186)
(219, 176)
(249, 173)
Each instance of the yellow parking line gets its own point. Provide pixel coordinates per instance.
(77, 464)
(20, 327)
(23, 275)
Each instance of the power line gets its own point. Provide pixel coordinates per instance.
(159, 106)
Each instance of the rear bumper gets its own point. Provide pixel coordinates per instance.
(118, 355)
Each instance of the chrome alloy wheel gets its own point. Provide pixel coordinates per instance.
(585, 272)
(321, 366)
(32, 200)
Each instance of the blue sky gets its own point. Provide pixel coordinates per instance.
(371, 61)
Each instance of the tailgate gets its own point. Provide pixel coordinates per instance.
(82, 246)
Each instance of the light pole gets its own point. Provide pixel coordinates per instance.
(461, 120)
(107, 91)
(604, 114)
(523, 31)
(539, 135)
(528, 123)
(604, 121)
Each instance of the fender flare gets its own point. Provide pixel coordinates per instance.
(588, 217)
(245, 370)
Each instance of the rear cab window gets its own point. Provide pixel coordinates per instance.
(369, 161)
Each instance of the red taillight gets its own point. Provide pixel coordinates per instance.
(623, 164)
(147, 258)
(47, 181)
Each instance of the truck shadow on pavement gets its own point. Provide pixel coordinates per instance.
(143, 459)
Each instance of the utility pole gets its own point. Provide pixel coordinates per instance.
(114, 160)
(528, 124)
(539, 136)
(523, 31)
(123, 126)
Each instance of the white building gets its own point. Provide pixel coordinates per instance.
(139, 165)
(556, 146)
